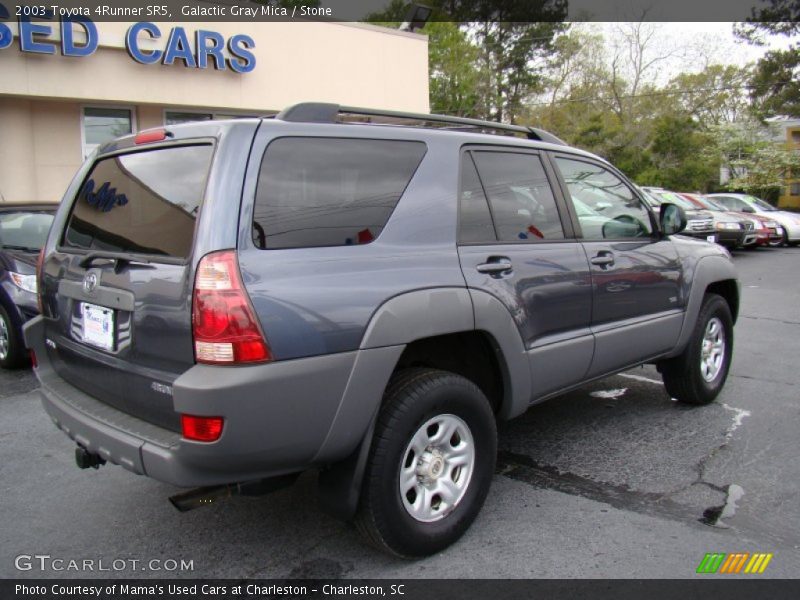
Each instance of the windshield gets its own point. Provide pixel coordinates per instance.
(24, 230)
(676, 199)
(710, 204)
(765, 206)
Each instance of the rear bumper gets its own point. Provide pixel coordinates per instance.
(279, 418)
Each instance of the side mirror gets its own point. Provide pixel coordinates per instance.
(671, 218)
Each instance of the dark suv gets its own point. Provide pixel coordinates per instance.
(228, 304)
(23, 231)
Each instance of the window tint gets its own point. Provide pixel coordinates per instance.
(330, 192)
(520, 197)
(144, 202)
(606, 207)
(476, 220)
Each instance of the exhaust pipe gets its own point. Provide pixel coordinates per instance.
(88, 460)
(191, 499)
(203, 496)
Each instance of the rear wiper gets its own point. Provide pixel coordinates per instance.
(119, 260)
(22, 248)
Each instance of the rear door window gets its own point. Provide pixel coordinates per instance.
(521, 200)
(142, 202)
(315, 192)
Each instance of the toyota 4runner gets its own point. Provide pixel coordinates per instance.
(227, 304)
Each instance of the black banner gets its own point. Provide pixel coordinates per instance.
(733, 588)
(362, 10)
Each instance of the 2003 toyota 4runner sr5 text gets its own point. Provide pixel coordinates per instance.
(228, 304)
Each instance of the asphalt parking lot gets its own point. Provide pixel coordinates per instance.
(612, 480)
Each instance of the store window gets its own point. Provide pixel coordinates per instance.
(794, 188)
(101, 125)
(176, 117)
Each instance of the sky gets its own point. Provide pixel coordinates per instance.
(715, 40)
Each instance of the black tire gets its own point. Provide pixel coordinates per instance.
(14, 355)
(683, 375)
(414, 397)
(784, 241)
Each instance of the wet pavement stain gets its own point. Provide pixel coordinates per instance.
(714, 515)
(525, 469)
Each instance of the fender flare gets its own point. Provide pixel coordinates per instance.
(707, 271)
(398, 322)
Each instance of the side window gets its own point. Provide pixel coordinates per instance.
(520, 198)
(476, 221)
(605, 206)
(315, 192)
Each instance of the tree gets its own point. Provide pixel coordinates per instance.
(513, 40)
(755, 162)
(677, 155)
(776, 80)
(713, 96)
(454, 71)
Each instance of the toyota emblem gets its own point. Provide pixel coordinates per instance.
(90, 282)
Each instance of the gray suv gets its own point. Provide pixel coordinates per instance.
(228, 304)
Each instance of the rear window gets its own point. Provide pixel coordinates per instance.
(24, 230)
(143, 202)
(316, 192)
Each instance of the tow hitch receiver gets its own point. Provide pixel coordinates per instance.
(88, 460)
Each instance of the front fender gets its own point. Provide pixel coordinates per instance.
(706, 271)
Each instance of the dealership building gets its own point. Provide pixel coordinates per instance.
(66, 87)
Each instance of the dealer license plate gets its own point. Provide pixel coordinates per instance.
(98, 326)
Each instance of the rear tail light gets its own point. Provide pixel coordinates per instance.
(39, 277)
(224, 324)
(34, 362)
(201, 429)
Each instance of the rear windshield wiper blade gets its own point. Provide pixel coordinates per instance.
(23, 248)
(118, 259)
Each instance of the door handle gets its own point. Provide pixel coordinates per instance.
(603, 259)
(495, 266)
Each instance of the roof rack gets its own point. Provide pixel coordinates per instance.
(321, 112)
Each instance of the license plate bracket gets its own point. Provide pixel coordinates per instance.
(98, 326)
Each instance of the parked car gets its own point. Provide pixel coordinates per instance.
(758, 231)
(700, 223)
(227, 304)
(790, 222)
(732, 232)
(23, 231)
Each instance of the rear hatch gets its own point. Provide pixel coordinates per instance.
(117, 288)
